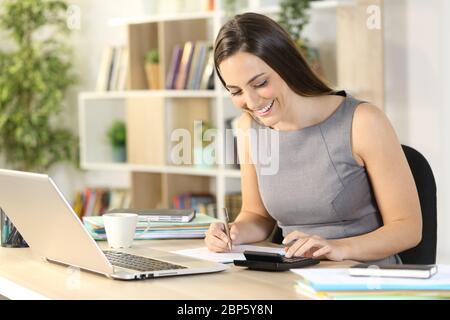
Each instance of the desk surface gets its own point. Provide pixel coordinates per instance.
(20, 267)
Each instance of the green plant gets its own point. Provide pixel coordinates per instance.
(293, 18)
(230, 7)
(117, 134)
(34, 75)
(152, 57)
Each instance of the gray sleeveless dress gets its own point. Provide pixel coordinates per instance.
(312, 183)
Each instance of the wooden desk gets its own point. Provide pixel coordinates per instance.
(20, 267)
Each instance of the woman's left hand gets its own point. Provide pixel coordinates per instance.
(302, 244)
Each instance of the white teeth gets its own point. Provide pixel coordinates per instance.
(265, 109)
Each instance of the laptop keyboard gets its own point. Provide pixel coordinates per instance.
(143, 264)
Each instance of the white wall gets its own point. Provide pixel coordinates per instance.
(417, 102)
(444, 200)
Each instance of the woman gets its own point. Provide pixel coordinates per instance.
(343, 189)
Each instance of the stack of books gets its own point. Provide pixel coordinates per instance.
(338, 284)
(200, 202)
(96, 201)
(196, 228)
(113, 72)
(191, 67)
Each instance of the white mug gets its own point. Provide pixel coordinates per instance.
(120, 229)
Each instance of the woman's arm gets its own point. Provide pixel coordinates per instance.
(375, 145)
(253, 223)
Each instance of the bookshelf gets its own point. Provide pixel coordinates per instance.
(151, 115)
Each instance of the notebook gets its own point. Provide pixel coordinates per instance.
(196, 228)
(159, 215)
(338, 279)
(393, 271)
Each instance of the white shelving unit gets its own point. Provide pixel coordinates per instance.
(98, 110)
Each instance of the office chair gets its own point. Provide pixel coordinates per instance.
(425, 251)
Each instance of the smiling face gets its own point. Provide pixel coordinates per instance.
(255, 87)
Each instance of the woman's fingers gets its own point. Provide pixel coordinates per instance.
(308, 245)
(218, 233)
(216, 240)
(294, 236)
(322, 251)
(294, 247)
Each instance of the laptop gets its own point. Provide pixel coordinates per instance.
(53, 231)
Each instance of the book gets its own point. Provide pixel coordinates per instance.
(185, 63)
(201, 65)
(78, 204)
(196, 201)
(307, 291)
(174, 67)
(159, 215)
(395, 271)
(103, 73)
(123, 70)
(195, 57)
(111, 68)
(96, 201)
(338, 279)
(196, 228)
(198, 65)
(115, 68)
(208, 72)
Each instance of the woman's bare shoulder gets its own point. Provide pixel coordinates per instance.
(371, 128)
(369, 118)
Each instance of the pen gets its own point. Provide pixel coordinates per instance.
(227, 229)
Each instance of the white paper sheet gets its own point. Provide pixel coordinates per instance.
(236, 254)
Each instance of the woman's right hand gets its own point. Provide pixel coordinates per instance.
(217, 240)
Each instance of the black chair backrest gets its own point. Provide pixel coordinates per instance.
(425, 251)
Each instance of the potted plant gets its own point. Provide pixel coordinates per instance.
(117, 137)
(35, 74)
(294, 16)
(152, 69)
(36, 71)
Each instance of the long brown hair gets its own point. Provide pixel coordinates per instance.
(261, 36)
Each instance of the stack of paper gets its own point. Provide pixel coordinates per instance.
(324, 283)
(158, 230)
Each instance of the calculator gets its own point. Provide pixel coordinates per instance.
(270, 261)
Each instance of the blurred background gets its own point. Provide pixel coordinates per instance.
(91, 90)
